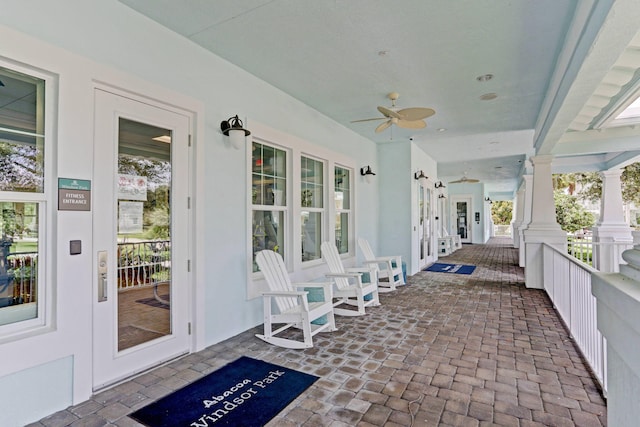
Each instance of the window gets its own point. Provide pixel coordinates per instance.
(22, 197)
(312, 203)
(269, 199)
(342, 196)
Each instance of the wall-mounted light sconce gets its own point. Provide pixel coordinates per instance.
(487, 199)
(420, 175)
(439, 184)
(441, 196)
(234, 130)
(367, 173)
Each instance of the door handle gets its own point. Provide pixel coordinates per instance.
(102, 276)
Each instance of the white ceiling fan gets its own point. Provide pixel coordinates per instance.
(465, 180)
(408, 118)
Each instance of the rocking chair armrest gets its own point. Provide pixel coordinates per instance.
(311, 284)
(284, 294)
(346, 274)
(359, 270)
(387, 258)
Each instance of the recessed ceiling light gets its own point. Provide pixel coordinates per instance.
(484, 77)
(442, 130)
(488, 96)
(383, 53)
(494, 142)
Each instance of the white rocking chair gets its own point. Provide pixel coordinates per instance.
(349, 287)
(293, 305)
(391, 267)
(456, 240)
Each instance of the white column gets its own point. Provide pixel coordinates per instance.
(543, 227)
(526, 215)
(611, 229)
(517, 216)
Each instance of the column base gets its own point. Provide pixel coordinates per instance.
(534, 238)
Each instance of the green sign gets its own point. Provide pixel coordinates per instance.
(74, 184)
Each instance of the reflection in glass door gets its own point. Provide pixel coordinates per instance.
(143, 233)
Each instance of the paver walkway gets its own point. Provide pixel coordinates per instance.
(445, 350)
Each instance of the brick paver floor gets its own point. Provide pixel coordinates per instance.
(445, 350)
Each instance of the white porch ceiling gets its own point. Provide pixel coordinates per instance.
(559, 66)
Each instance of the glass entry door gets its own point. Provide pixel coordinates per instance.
(462, 218)
(425, 227)
(140, 236)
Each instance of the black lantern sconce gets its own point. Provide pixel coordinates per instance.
(420, 175)
(367, 173)
(234, 130)
(439, 184)
(487, 199)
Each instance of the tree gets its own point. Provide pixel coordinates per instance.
(570, 214)
(501, 212)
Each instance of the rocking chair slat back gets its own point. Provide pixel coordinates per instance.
(275, 273)
(332, 258)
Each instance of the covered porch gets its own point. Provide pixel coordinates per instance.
(447, 349)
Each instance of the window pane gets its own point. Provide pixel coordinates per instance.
(268, 233)
(269, 186)
(18, 261)
(342, 232)
(21, 132)
(311, 183)
(311, 235)
(342, 192)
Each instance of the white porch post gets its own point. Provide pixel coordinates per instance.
(611, 227)
(543, 227)
(618, 305)
(517, 216)
(526, 215)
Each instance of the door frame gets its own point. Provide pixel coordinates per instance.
(468, 198)
(425, 189)
(192, 109)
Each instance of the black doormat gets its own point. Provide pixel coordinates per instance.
(153, 302)
(244, 393)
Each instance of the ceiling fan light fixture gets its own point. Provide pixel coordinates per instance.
(488, 96)
(484, 78)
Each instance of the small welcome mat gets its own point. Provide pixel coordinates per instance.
(153, 302)
(246, 393)
(451, 268)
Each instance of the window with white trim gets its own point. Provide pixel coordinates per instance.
(269, 199)
(22, 199)
(312, 207)
(342, 203)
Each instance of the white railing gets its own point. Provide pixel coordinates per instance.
(568, 283)
(142, 264)
(604, 256)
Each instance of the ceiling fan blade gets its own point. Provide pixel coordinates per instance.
(368, 120)
(389, 113)
(466, 180)
(416, 113)
(411, 124)
(383, 126)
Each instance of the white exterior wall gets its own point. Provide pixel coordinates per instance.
(398, 200)
(85, 42)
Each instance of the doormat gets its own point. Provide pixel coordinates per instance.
(246, 392)
(451, 268)
(154, 302)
